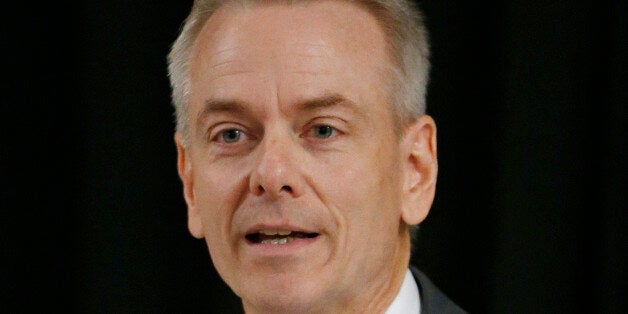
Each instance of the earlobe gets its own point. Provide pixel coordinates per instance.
(184, 168)
(420, 169)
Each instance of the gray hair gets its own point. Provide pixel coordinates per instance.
(400, 20)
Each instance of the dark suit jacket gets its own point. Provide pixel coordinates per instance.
(433, 301)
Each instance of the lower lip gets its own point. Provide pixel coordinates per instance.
(267, 249)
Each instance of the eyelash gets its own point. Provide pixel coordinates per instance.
(218, 136)
(333, 130)
(312, 133)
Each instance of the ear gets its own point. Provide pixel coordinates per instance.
(420, 167)
(184, 167)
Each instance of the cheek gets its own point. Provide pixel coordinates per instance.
(363, 190)
(218, 188)
(363, 198)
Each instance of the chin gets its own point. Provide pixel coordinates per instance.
(282, 293)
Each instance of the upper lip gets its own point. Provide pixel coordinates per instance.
(272, 227)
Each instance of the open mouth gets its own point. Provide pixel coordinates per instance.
(278, 237)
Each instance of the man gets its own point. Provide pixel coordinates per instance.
(305, 153)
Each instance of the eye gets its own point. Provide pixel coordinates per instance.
(229, 136)
(323, 131)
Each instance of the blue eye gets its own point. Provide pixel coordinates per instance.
(230, 136)
(323, 131)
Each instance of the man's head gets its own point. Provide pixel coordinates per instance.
(303, 149)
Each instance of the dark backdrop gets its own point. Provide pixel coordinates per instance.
(530, 211)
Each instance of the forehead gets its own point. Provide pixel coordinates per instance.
(269, 29)
(325, 21)
(307, 47)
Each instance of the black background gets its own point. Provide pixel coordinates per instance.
(530, 211)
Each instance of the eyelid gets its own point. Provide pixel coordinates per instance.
(216, 130)
(335, 123)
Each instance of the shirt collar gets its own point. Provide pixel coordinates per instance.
(408, 299)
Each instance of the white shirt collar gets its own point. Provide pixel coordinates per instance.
(408, 299)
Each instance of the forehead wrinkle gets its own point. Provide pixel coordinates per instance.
(223, 50)
(222, 63)
(230, 74)
(222, 66)
(218, 58)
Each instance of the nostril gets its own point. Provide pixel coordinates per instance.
(286, 188)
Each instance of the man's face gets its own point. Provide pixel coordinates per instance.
(293, 172)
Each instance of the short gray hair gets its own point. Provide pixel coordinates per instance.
(401, 21)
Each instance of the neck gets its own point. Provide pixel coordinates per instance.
(379, 297)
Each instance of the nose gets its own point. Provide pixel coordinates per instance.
(277, 172)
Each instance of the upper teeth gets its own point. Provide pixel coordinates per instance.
(275, 232)
(278, 240)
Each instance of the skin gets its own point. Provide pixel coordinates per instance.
(290, 129)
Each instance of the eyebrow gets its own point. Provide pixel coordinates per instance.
(212, 106)
(221, 106)
(240, 108)
(326, 101)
